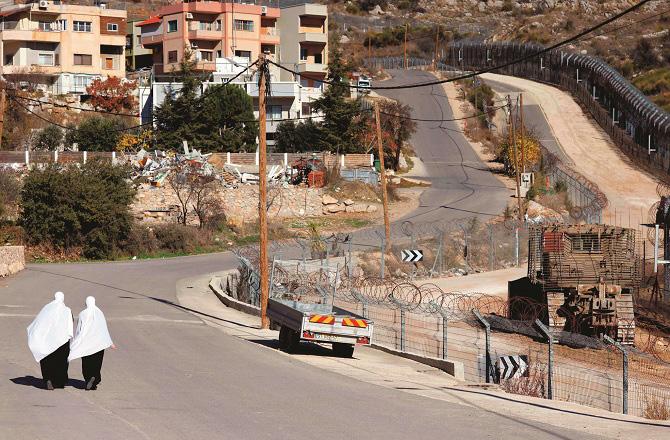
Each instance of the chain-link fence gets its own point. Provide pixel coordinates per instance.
(478, 330)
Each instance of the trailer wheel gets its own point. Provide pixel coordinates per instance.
(343, 350)
(283, 338)
(292, 340)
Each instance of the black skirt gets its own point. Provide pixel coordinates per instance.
(54, 366)
(91, 365)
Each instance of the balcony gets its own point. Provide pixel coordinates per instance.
(283, 89)
(313, 37)
(204, 31)
(34, 69)
(152, 38)
(270, 35)
(310, 67)
(16, 31)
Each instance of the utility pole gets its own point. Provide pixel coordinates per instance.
(382, 170)
(262, 193)
(512, 140)
(405, 48)
(3, 103)
(437, 44)
(523, 136)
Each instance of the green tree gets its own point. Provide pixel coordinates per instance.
(96, 133)
(229, 115)
(220, 119)
(179, 118)
(48, 139)
(70, 207)
(342, 121)
(298, 138)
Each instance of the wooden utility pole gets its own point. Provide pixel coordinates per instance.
(512, 140)
(523, 136)
(405, 48)
(262, 194)
(382, 170)
(3, 103)
(437, 44)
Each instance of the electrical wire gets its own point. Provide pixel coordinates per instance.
(70, 128)
(488, 69)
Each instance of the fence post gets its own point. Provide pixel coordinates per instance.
(487, 328)
(444, 336)
(624, 354)
(383, 256)
(256, 158)
(228, 158)
(113, 158)
(550, 362)
(85, 157)
(516, 248)
(55, 156)
(285, 160)
(27, 157)
(402, 330)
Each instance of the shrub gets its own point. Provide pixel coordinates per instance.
(87, 207)
(9, 192)
(96, 133)
(48, 139)
(176, 238)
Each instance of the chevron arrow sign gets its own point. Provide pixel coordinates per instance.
(411, 256)
(510, 367)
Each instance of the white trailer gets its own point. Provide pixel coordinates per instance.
(298, 321)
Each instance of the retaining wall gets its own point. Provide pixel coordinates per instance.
(12, 260)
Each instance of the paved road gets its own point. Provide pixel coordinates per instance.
(534, 117)
(462, 186)
(173, 377)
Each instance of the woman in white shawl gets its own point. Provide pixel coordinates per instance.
(48, 338)
(89, 343)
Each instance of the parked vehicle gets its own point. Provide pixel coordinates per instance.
(364, 85)
(299, 321)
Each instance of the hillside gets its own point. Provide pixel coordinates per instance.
(637, 45)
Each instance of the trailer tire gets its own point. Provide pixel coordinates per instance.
(283, 338)
(343, 350)
(292, 340)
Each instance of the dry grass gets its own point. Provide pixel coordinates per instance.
(534, 385)
(657, 409)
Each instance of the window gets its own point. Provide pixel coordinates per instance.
(83, 60)
(112, 27)
(206, 56)
(45, 59)
(306, 109)
(81, 82)
(129, 41)
(318, 58)
(243, 54)
(139, 40)
(219, 26)
(46, 26)
(588, 243)
(172, 56)
(109, 63)
(62, 24)
(81, 26)
(303, 54)
(172, 26)
(273, 111)
(244, 25)
(219, 54)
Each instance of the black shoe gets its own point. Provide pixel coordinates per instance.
(50, 386)
(90, 385)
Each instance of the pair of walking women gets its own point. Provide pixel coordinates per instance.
(54, 344)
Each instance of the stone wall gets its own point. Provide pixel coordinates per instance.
(12, 260)
(240, 204)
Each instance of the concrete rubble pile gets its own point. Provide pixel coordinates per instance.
(154, 168)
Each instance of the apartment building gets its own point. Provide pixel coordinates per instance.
(137, 56)
(211, 30)
(304, 47)
(61, 48)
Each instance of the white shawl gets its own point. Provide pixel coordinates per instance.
(51, 328)
(92, 333)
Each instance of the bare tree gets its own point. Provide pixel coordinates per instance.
(205, 202)
(181, 181)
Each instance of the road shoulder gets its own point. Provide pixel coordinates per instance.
(379, 368)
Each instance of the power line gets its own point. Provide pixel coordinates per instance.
(70, 128)
(488, 69)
